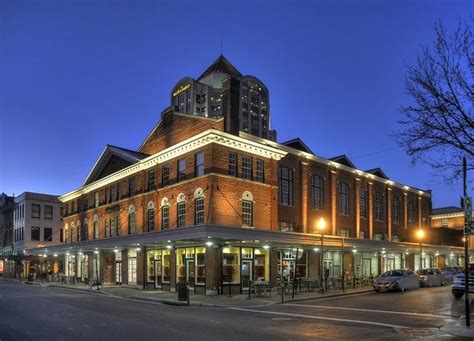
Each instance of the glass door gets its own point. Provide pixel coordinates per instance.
(247, 273)
(118, 272)
(158, 277)
(190, 272)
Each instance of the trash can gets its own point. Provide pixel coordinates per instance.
(30, 277)
(182, 291)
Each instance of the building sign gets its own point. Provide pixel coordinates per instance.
(182, 89)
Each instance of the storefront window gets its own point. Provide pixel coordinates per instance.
(231, 264)
(287, 263)
(201, 265)
(191, 265)
(262, 265)
(132, 267)
(166, 266)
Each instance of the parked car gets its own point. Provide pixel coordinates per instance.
(449, 273)
(399, 279)
(431, 277)
(458, 288)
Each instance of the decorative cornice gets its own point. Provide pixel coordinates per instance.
(200, 140)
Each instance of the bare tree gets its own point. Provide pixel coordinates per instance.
(438, 126)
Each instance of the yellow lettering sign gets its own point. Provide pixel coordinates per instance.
(182, 89)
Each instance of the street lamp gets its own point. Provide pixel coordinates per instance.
(421, 234)
(321, 225)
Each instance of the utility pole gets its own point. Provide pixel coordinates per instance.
(466, 246)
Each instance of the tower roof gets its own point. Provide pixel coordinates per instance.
(221, 65)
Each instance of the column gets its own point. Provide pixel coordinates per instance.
(357, 206)
(213, 269)
(371, 209)
(304, 196)
(389, 213)
(333, 177)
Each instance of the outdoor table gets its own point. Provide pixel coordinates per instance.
(261, 288)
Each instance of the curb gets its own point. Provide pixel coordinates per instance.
(458, 330)
(315, 298)
(77, 289)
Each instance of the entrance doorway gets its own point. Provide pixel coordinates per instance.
(190, 272)
(158, 274)
(247, 274)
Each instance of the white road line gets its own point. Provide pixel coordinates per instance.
(379, 324)
(367, 310)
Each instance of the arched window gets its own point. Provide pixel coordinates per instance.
(85, 230)
(396, 210)
(198, 206)
(151, 216)
(66, 233)
(165, 214)
(343, 198)
(247, 209)
(132, 224)
(378, 214)
(181, 210)
(96, 227)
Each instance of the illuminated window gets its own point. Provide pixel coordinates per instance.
(181, 210)
(165, 214)
(247, 209)
(151, 216)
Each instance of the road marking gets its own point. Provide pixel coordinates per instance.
(367, 310)
(379, 324)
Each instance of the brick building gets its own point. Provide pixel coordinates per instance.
(210, 197)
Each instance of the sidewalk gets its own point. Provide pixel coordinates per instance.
(241, 300)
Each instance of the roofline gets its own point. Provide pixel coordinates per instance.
(335, 164)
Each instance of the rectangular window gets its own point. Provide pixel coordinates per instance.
(48, 234)
(96, 199)
(165, 175)
(35, 211)
(343, 199)
(247, 167)
(35, 233)
(181, 170)
(260, 171)
(113, 193)
(132, 189)
(151, 180)
(378, 208)
(232, 164)
(285, 186)
(363, 203)
(286, 226)
(48, 212)
(181, 214)
(199, 164)
(317, 193)
(165, 217)
(444, 222)
(199, 209)
(247, 212)
(343, 233)
(96, 229)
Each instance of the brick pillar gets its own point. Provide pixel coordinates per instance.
(405, 210)
(357, 206)
(274, 254)
(333, 177)
(389, 213)
(371, 210)
(107, 267)
(304, 196)
(125, 267)
(213, 270)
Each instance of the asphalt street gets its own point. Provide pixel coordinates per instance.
(30, 312)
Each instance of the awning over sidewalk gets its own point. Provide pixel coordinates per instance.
(197, 235)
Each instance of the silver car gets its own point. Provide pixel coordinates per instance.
(399, 279)
(431, 277)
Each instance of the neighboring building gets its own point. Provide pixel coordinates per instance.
(209, 200)
(36, 221)
(7, 205)
(450, 223)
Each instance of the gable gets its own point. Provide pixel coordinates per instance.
(343, 160)
(113, 165)
(298, 144)
(174, 128)
(378, 172)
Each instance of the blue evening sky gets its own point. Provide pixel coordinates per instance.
(77, 75)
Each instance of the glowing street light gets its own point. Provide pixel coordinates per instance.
(321, 225)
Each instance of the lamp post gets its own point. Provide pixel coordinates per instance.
(420, 234)
(321, 225)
